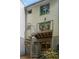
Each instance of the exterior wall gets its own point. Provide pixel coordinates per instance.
(22, 46)
(22, 29)
(22, 20)
(35, 17)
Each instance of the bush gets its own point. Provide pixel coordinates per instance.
(50, 54)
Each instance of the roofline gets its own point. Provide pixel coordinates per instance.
(34, 4)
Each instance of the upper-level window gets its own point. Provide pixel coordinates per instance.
(44, 26)
(30, 11)
(44, 9)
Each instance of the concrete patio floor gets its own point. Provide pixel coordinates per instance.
(25, 57)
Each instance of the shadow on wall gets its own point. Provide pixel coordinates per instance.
(56, 42)
(22, 46)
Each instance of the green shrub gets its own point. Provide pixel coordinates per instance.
(50, 54)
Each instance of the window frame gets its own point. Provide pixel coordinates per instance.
(42, 12)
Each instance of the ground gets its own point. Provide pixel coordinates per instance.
(25, 57)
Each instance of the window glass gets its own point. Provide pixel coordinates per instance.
(44, 26)
(44, 9)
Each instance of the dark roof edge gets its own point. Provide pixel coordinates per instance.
(33, 4)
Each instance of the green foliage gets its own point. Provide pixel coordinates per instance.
(50, 54)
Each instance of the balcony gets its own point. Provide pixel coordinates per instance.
(44, 30)
(44, 26)
(43, 34)
(41, 30)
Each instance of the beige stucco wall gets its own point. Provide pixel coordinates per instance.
(35, 17)
(22, 29)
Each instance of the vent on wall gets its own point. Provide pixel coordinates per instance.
(30, 11)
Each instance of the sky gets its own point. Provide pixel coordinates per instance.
(28, 2)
